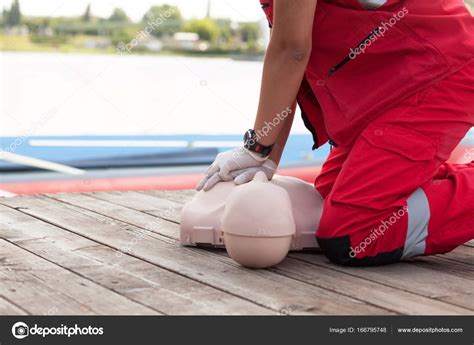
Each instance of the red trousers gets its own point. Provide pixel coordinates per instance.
(390, 194)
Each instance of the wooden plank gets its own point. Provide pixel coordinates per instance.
(442, 263)
(38, 286)
(400, 301)
(470, 244)
(263, 287)
(9, 308)
(180, 196)
(424, 304)
(381, 295)
(136, 279)
(409, 276)
(462, 254)
(113, 210)
(163, 208)
(467, 300)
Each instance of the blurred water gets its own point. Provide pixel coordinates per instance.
(72, 94)
(112, 97)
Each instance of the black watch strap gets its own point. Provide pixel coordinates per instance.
(251, 144)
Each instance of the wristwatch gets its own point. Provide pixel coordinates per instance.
(251, 144)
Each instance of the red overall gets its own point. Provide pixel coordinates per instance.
(391, 83)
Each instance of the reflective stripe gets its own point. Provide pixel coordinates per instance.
(418, 218)
(372, 4)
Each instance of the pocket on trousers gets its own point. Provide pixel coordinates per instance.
(400, 140)
(385, 166)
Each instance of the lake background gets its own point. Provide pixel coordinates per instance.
(130, 104)
(114, 94)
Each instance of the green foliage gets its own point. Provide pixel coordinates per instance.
(53, 40)
(119, 16)
(225, 30)
(123, 35)
(34, 24)
(207, 29)
(252, 48)
(249, 32)
(86, 17)
(71, 33)
(12, 17)
(166, 20)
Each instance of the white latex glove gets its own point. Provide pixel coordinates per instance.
(247, 175)
(228, 162)
(240, 176)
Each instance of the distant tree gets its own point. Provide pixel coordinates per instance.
(123, 35)
(4, 17)
(166, 19)
(34, 24)
(13, 17)
(225, 29)
(206, 28)
(86, 17)
(119, 15)
(249, 32)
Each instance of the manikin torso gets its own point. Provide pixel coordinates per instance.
(258, 222)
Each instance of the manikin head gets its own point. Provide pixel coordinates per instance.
(258, 223)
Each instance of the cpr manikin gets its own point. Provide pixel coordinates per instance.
(258, 222)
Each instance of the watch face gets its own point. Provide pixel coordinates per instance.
(248, 136)
(250, 143)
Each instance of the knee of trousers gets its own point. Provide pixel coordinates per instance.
(334, 238)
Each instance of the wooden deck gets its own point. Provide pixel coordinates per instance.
(118, 253)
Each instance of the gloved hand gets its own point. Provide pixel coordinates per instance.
(247, 175)
(228, 162)
(240, 176)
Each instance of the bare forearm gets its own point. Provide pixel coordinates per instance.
(285, 64)
(283, 138)
(283, 71)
